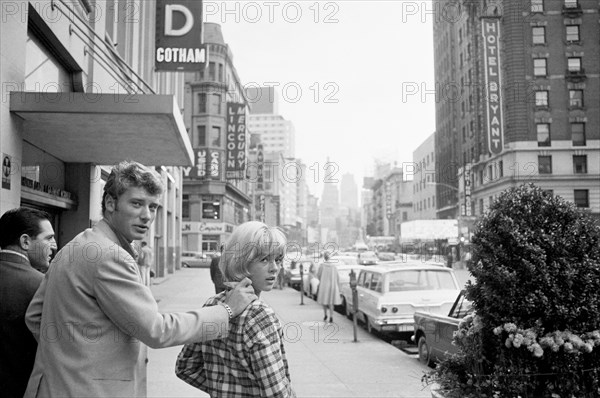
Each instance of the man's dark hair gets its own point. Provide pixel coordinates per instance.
(129, 174)
(19, 221)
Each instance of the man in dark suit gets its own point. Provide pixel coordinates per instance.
(27, 241)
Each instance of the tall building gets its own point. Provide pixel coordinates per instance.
(349, 192)
(518, 101)
(278, 139)
(81, 93)
(263, 100)
(423, 180)
(213, 204)
(329, 210)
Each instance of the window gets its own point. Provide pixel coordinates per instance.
(572, 33)
(545, 164)
(185, 207)
(215, 136)
(211, 210)
(574, 64)
(582, 197)
(543, 134)
(201, 102)
(578, 134)
(576, 98)
(579, 164)
(541, 99)
(539, 34)
(537, 5)
(211, 71)
(220, 72)
(216, 106)
(500, 169)
(539, 67)
(200, 136)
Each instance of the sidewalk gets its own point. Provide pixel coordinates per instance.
(324, 361)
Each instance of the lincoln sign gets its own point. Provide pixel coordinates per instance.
(179, 36)
(490, 28)
(236, 141)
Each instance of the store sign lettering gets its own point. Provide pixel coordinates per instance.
(493, 83)
(179, 36)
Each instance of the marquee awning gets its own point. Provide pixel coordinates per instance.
(105, 128)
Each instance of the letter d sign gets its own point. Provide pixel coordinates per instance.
(189, 20)
(178, 32)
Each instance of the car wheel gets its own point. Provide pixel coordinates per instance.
(424, 354)
(185, 265)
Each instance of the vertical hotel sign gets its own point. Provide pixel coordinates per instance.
(490, 28)
(236, 141)
(179, 36)
(260, 159)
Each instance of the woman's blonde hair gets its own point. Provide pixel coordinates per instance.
(250, 242)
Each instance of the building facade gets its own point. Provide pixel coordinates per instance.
(212, 204)
(277, 135)
(81, 94)
(518, 102)
(423, 181)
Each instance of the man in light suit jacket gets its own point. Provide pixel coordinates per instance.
(92, 315)
(27, 242)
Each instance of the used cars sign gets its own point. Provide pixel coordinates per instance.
(179, 36)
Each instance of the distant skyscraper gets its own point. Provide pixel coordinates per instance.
(349, 192)
(330, 203)
(262, 100)
(278, 138)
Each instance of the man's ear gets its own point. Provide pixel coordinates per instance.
(24, 241)
(109, 203)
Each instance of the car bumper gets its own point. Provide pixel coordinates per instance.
(395, 325)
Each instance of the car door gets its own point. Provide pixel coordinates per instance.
(367, 297)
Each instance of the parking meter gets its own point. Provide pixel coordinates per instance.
(301, 284)
(353, 284)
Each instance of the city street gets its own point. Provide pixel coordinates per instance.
(324, 361)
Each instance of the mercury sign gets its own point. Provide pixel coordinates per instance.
(179, 36)
(490, 28)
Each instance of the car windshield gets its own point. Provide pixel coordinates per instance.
(399, 281)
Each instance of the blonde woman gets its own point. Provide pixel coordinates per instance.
(251, 361)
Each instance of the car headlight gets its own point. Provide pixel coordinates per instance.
(383, 309)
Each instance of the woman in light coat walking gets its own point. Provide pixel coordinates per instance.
(329, 287)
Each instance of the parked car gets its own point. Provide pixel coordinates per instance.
(367, 258)
(191, 259)
(386, 256)
(306, 263)
(434, 332)
(344, 265)
(344, 275)
(390, 294)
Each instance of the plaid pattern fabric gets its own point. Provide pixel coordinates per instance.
(249, 363)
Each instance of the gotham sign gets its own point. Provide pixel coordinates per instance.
(179, 36)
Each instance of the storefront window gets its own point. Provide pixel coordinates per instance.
(211, 210)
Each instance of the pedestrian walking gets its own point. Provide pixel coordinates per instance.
(92, 316)
(145, 263)
(27, 241)
(250, 361)
(329, 287)
(215, 274)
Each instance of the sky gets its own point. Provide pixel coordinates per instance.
(355, 77)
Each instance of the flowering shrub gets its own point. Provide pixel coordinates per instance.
(537, 299)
